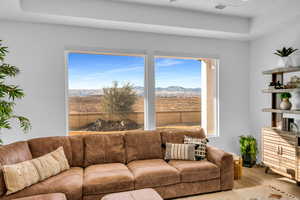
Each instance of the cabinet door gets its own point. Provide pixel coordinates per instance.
(288, 160)
(270, 149)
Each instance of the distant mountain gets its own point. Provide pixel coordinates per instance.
(162, 92)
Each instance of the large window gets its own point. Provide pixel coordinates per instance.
(185, 93)
(105, 92)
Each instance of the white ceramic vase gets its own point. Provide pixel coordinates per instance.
(285, 104)
(295, 100)
(285, 61)
(295, 59)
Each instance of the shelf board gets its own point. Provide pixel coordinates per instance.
(280, 90)
(297, 112)
(282, 70)
(288, 133)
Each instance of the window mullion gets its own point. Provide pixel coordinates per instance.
(149, 89)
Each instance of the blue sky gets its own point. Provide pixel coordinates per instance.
(95, 71)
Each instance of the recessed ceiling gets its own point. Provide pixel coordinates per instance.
(250, 8)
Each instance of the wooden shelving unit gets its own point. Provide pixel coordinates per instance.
(280, 149)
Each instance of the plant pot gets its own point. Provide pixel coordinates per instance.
(285, 61)
(295, 59)
(295, 100)
(285, 104)
(248, 161)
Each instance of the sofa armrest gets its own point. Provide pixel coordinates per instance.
(225, 162)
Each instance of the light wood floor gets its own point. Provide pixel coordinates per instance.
(254, 177)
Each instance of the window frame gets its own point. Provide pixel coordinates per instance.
(149, 80)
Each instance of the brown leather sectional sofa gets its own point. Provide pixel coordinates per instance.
(108, 163)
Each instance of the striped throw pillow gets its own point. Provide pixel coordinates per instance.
(200, 144)
(180, 151)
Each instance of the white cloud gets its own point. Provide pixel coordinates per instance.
(109, 72)
(168, 62)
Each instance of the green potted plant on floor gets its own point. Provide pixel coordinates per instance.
(9, 94)
(248, 147)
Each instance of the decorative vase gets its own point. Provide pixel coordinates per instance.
(295, 60)
(295, 100)
(285, 61)
(285, 104)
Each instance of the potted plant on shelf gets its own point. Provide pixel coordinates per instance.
(248, 147)
(285, 103)
(8, 94)
(284, 54)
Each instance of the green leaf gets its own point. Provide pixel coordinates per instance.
(24, 123)
(8, 94)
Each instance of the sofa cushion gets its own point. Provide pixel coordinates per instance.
(42, 146)
(142, 145)
(104, 148)
(77, 147)
(19, 176)
(200, 144)
(153, 173)
(192, 171)
(68, 182)
(51, 164)
(11, 154)
(180, 152)
(177, 136)
(52, 196)
(107, 178)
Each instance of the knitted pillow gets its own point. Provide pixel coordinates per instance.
(180, 151)
(200, 150)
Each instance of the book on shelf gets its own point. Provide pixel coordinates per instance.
(286, 124)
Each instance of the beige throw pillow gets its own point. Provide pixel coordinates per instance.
(180, 151)
(60, 157)
(21, 175)
(200, 144)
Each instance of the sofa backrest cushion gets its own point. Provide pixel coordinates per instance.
(104, 148)
(77, 147)
(177, 135)
(12, 154)
(42, 146)
(142, 145)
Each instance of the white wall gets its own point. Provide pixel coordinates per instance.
(262, 58)
(39, 51)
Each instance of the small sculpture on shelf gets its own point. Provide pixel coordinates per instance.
(275, 85)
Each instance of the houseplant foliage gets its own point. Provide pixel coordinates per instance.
(285, 52)
(9, 94)
(118, 100)
(248, 148)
